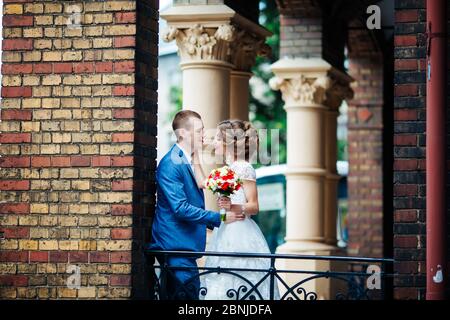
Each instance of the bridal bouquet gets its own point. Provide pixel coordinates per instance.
(223, 182)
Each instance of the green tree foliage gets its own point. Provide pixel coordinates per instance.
(266, 105)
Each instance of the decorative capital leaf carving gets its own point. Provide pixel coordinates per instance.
(301, 90)
(200, 43)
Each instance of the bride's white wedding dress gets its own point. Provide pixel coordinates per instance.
(240, 236)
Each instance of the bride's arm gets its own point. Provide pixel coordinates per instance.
(251, 194)
(200, 176)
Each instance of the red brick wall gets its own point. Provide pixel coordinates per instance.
(365, 146)
(78, 147)
(409, 150)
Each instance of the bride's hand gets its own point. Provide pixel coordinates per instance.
(224, 202)
(233, 216)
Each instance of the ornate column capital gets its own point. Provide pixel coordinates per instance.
(245, 48)
(339, 90)
(310, 82)
(201, 43)
(215, 33)
(301, 90)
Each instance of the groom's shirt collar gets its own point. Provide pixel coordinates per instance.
(187, 155)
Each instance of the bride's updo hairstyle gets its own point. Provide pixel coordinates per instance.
(240, 137)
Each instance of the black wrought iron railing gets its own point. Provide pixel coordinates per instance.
(332, 277)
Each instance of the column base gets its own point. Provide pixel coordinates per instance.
(300, 283)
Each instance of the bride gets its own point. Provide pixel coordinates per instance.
(236, 142)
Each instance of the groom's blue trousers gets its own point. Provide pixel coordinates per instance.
(181, 284)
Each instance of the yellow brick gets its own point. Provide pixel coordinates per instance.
(8, 293)
(53, 8)
(52, 56)
(87, 245)
(80, 184)
(11, 103)
(102, 43)
(118, 54)
(118, 125)
(116, 149)
(34, 8)
(79, 208)
(88, 197)
(115, 30)
(117, 102)
(28, 244)
(52, 32)
(62, 91)
(82, 91)
(72, 56)
(9, 126)
(92, 79)
(93, 31)
(116, 221)
(121, 268)
(13, 9)
(28, 221)
(93, 6)
(42, 91)
(9, 244)
(62, 43)
(67, 293)
(72, 79)
(32, 56)
(118, 78)
(48, 245)
(61, 137)
(70, 149)
(87, 221)
(51, 80)
(82, 44)
(113, 245)
(31, 126)
(115, 197)
(8, 268)
(90, 102)
(33, 32)
(120, 5)
(39, 208)
(48, 221)
(51, 102)
(42, 44)
(36, 233)
(31, 103)
(11, 81)
(73, 32)
(86, 292)
(68, 221)
(13, 33)
(61, 114)
(70, 102)
(43, 20)
(29, 80)
(68, 245)
(50, 149)
(12, 56)
(69, 173)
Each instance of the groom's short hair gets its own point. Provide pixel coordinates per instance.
(182, 117)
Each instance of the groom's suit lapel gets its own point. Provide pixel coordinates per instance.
(187, 166)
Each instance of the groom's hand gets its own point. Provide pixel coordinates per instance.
(233, 216)
(224, 202)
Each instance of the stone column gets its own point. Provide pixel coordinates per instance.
(210, 40)
(338, 91)
(244, 51)
(305, 86)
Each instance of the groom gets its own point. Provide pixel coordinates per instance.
(180, 219)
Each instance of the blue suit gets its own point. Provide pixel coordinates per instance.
(180, 219)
